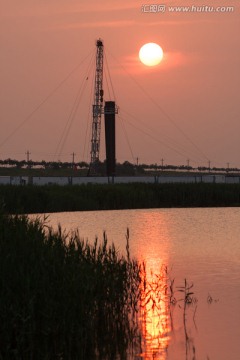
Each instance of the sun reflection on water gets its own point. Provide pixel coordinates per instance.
(155, 317)
(155, 297)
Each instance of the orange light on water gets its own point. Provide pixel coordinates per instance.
(155, 303)
(155, 316)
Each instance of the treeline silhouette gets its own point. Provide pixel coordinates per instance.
(125, 168)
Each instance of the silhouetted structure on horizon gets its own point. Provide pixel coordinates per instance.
(110, 138)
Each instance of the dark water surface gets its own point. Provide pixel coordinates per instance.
(200, 245)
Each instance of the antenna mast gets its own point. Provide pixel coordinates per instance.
(97, 105)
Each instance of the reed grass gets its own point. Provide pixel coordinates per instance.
(61, 298)
(54, 198)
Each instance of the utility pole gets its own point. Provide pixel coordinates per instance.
(28, 157)
(137, 161)
(73, 158)
(162, 161)
(209, 165)
(228, 167)
(28, 154)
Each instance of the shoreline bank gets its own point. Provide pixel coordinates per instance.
(87, 197)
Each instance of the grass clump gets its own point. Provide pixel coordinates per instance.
(61, 298)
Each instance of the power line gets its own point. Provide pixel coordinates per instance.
(87, 132)
(126, 136)
(110, 79)
(43, 102)
(172, 142)
(155, 139)
(73, 112)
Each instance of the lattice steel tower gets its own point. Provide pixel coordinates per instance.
(97, 104)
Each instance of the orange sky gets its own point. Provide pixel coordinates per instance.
(185, 108)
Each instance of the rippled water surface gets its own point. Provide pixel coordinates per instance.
(200, 245)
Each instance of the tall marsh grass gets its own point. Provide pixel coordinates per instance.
(61, 298)
(54, 198)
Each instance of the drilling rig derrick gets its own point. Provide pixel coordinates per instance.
(97, 109)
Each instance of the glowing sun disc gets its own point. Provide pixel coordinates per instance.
(151, 54)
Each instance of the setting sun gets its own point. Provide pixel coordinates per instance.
(151, 54)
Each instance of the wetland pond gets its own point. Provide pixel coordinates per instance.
(201, 245)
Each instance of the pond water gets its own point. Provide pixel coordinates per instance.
(201, 245)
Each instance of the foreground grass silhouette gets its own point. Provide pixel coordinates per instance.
(61, 298)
